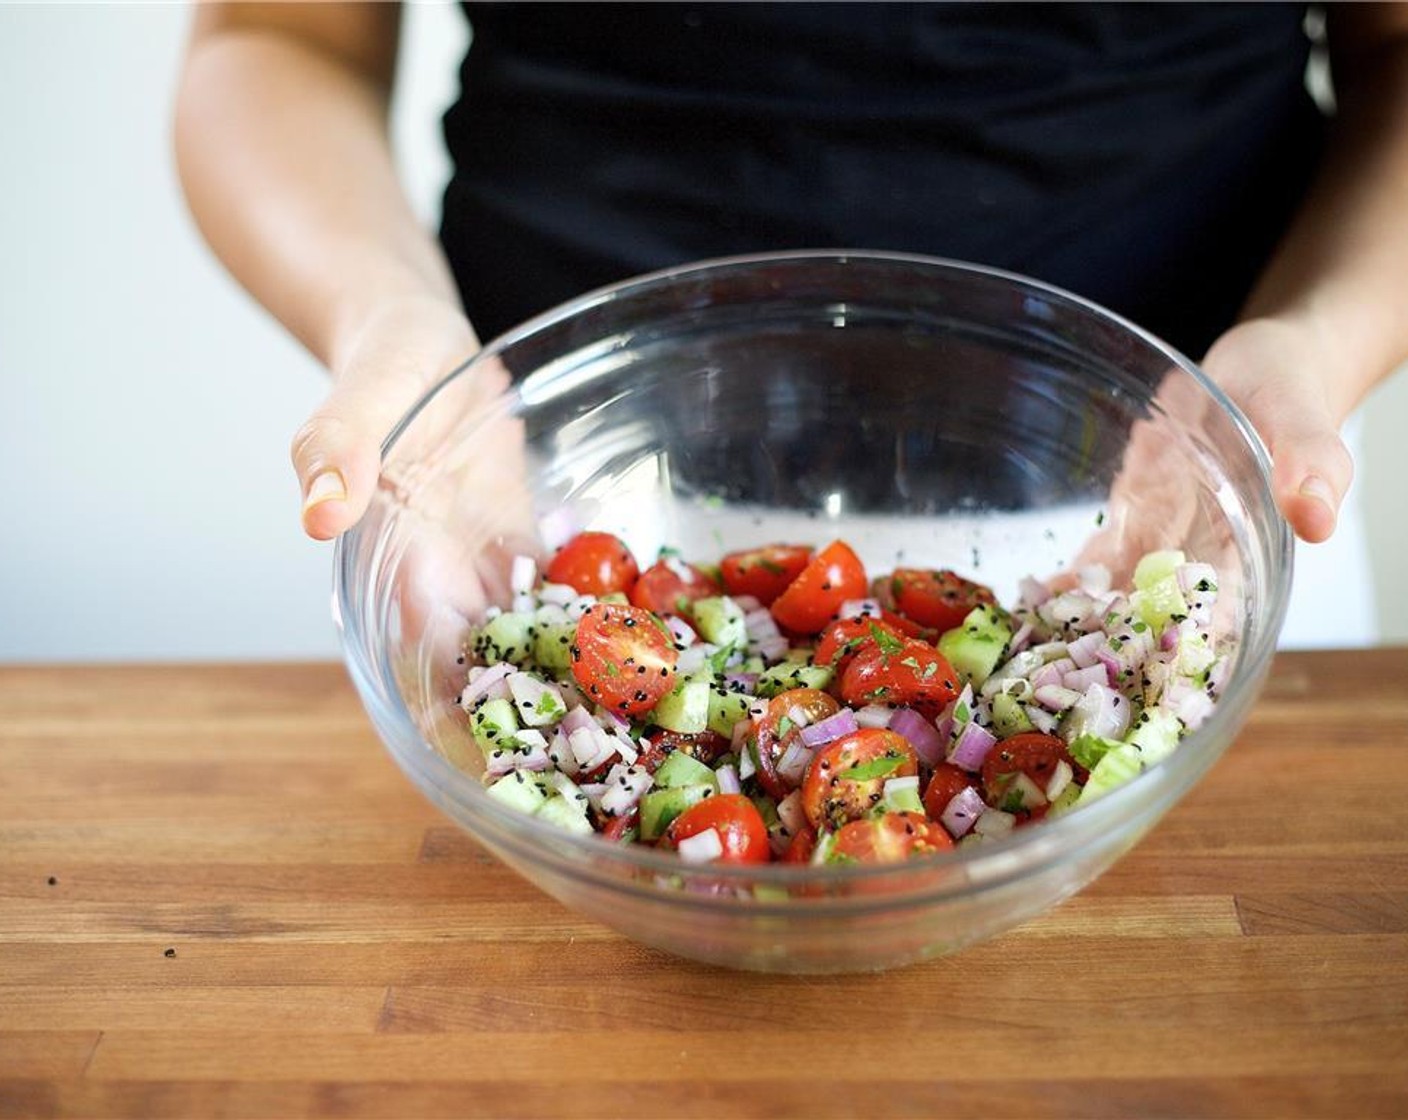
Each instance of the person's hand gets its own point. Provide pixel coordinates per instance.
(1283, 376)
(387, 363)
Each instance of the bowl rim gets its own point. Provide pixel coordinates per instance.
(1022, 853)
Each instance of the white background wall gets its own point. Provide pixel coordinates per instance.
(147, 509)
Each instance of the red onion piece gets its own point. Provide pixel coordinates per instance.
(1045, 677)
(1084, 651)
(874, 715)
(745, 681)
(962, 812)
(928, 744)
(1078, 680)
(491, 683)
(1032, 592)
(974, 743)
(702, 847)
(681, 631)
(794, 762)
(831, 728)
(1055, 698)
(728, 779)
(577, 719)
(791, 813)
(1021, 638)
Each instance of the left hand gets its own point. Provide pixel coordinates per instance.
(1282, 373)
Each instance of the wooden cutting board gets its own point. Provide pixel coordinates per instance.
(219, 897)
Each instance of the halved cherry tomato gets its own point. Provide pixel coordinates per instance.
(846, 637)
(763, 573)
(734, 818)
(623, 658)
(619, 829)
(891, 838)
(670, 586)
(787, 713)
(594, 564)
(908, 627)
(832, 576)
(846, 778)
(939, 599)
(1032, 753)
(802, 846)
(706, 746)
(946, 784)
(900, 671)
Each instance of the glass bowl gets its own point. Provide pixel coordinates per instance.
(928, 412)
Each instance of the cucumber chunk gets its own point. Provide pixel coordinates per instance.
(975, 647)
(518, 792)
(661, 806)
(788, 675)
(507, 637)
(680, 769)
(726, 709)
(719, 621)
(494, 726)
(685, 709)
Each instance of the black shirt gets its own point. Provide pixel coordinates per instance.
(1144, 156)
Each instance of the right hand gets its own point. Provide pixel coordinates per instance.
(386, 365)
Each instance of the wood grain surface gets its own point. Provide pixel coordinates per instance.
(219, 898)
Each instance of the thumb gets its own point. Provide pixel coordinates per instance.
(1311, 473)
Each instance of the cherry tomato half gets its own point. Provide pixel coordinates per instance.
(832, 576)
(594, 564)
(787, 713)
(846, 637)
(623, 658)
(846, 779)
(670, 586)
(891, 838)
(763, 573)
(802, 846)
(900, 671)
(1032, 753)
(734, 818)
(938, 599)
(946, 784)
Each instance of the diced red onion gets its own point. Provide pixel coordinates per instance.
(1190, 575)
(794, 761)
(595, 791)
(491, 684)
(694, 658)
(625, 792)
(681, 630)
(523, 603)
(962, 812)
(897, 787)
(773, 649)
(522, 574)
(874, 715)
(1041, 719)
(628, 751)
(576, 719)
(746, 766)
(608, 720)
(1094, 579)
(859, 608)
(702, 847)
(829, 729)
(971, 749)
(1060, 778)
(949, 717)
(528, 695)
(560, 751)
(1055, 698)
(1063, 665)
(1032, 592)
(1017, 667)
(1102, 711)
(556, 594)
(1070, 608)
(758, 708)
(1193, 709)
(791, 813)
(745, 681)
(994, 823)
(923, 736)
(1078, 680)
(579, 606)
(1217, 675)
(727, 777)
(591, 746)
(1021, 638)
(747, 603)
(1084, 650)
(1030, 793)
(1047, 676)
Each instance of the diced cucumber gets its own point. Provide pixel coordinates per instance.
(686, 708)
(1008, 716)
(1066, 801)
(1156, 566)
(901, 795)
(494, 726)
(1119, 766)
(1155, 733)
(616, 597)
(975, 647)
(1160, 602)
(660, 806)
(1088, 750)
(552, 644)
(786, 676)
(518, 792)
(566, 813)
(726, 709)
(719, 621)
(506, 637)
(680, 769)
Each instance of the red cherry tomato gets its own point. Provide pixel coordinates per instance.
(737, 821)
(670, 586)
(907, 627)
(891, 838)
(594, 564)
(846, 637)
(846, 779)
(623, 658)
(619, 830)
(1031, 753)
(937, 599)
(832, 576)
(763, 573)
(802, 846)
(781, 725)
(706, 746)
(946, 784)
(900, 671)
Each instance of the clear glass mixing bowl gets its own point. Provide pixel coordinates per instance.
(925, 411)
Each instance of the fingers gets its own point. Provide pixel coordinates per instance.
(336, 454)
(1311, 475)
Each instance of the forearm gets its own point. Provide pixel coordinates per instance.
(1340, 271)
(286, 162)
